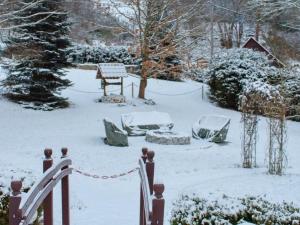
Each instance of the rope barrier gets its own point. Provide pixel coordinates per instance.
(96, 92)
(86, 92)
(171, 95)
(103, 177)
(150, 91)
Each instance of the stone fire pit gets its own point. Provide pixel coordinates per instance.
(166, 137)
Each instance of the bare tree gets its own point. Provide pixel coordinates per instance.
(9, 9)
(156, 27)
(230, 17)
(282, 13)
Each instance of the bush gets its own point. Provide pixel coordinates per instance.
(292, 85)
(93, 54)
(234, 69)
(191, 210)
(198, 74)
(3, 208)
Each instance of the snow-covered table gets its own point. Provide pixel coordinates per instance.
(138, 123)
(168, 137)
(214, 128)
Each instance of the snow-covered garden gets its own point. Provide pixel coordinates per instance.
(207, 169)
(209, 89)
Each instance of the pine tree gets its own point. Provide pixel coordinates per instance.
(39, 47)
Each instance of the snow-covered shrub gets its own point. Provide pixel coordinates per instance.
(198, 74)
(292, 91)
(192, 210)
(234, 69)
(99, 54)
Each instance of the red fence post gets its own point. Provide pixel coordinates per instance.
(15, 216)
(150, 170)
(158, 205)
(142, 209)
(144, 154)
(48, 202)
(65, 193)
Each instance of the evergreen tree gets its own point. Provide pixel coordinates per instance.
(39, 47)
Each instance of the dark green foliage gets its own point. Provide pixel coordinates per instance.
(93, 54)
(3, 208)
(39, 46)
(191, 210)
(235, 69)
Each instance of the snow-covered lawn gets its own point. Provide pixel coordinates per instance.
(210, 170)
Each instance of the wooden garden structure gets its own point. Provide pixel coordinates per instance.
(109, 72)
(22, 209)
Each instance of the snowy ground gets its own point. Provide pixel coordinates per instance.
(207, 169)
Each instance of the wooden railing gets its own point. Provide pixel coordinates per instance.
(23, 210)
(151, 207)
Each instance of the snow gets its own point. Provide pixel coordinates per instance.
(210, 170)
(213, 122)
(146, 118)
(109, 70)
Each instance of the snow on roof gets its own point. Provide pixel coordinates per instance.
(109, 70)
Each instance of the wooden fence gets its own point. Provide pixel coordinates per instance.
(151, 207)
(22, 211)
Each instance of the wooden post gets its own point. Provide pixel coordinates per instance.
(132, 90)
(122, 86)
(142, 209)
(104, 85)
(65, 193)
(158, 205)
(150, 170)
(144, 154)
(15, 216)
(48, 202)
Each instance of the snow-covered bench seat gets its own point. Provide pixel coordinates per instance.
(138, 123)
(214, 128)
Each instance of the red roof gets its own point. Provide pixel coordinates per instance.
(253, 44)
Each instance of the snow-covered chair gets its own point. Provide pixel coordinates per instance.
(138, 123)
(214, 128)
(114, 135)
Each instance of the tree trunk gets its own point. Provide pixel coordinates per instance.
(143, 85)
(145, 68)
(257, 31)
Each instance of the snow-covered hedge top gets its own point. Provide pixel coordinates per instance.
(192, 210)
(99, 54)
(248, 65)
